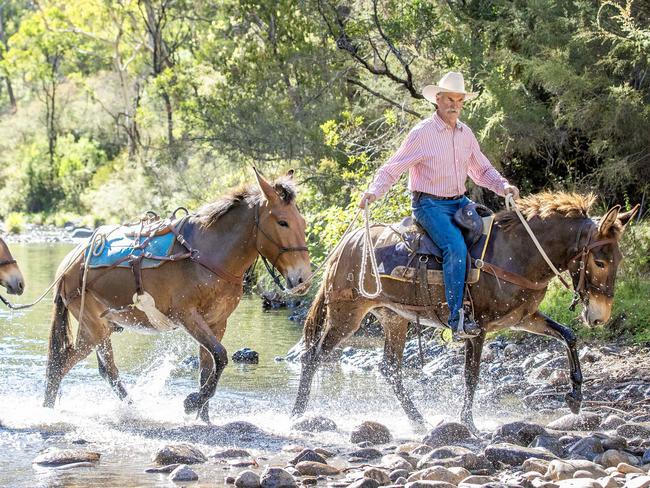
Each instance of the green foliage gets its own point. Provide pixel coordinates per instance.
(15, 223)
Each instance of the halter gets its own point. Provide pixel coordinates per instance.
(270, 267)
(7, 262)
(580, 284)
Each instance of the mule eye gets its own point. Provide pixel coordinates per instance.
(283, 223)
(600, 264)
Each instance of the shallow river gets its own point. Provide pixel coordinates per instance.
(158, 375)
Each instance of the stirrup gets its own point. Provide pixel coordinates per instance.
(466, 327)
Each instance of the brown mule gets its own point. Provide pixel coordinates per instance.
(10, 276)
(567, 234)
(228, 235)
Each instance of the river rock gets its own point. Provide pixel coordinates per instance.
(366, 453)
(246, 355)
(646, 457)
(395, 461)
(242, 429)
(475, 480)
(582, 421)
(324, 452)
(513, 454)
(429, 484)
(586, 448)
(436, 473)
(535, 464)
(608, 482)
(616, 442)
(448, 433)
(611, 422)
(562, 470)
(638, 482)
(379, 475)
(630, 431)
(612, 458)
(398, 473)
(449, 456)
(372, 432)
(162, 469)
(312, 468)
(230, 453)
(626, 468)
(179, 453)
(308, 455)
(580, 483)
(521, 433)
(276, 478)
(60, 457)
(314, 423)
(183, 473)
(364, 483)
(549, 443)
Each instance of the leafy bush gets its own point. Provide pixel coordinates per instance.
(15, 223)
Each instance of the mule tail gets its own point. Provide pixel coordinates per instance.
(315, 320)
(59, 348)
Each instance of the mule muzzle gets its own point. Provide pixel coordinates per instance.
(14, 284)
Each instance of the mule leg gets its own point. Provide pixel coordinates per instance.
(62, 355)
(473, 350)
(395, 329)
(211, 369)
(540, 324)
(107, 368)
(342, 320)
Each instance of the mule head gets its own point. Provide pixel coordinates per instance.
(281, 237)
(600, 266)
(10, 276)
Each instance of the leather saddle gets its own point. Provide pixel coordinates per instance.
(415, 250)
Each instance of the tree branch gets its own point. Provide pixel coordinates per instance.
(384, 98)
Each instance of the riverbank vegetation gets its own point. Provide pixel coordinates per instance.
(112, 108)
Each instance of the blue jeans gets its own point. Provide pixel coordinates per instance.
(436, 216)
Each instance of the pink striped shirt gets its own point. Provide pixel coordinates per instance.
(439, 159)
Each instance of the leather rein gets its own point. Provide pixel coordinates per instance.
(581, 285)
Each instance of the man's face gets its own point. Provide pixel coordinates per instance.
(449, 106)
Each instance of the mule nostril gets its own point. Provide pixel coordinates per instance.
(300, 280)
(598, 322)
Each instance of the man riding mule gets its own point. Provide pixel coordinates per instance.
(197, 287)
(439, 153)
(10, 276)
(514, 279)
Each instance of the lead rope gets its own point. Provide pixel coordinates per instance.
(368, 249)
(302, 288)
(510, 204)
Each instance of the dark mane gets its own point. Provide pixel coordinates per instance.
(249, 195)
(546, 205)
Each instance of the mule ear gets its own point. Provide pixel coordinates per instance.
(626, 217)
(268, 190)
(608, 220)
(290, 173)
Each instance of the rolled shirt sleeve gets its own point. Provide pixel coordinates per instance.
(409, 154)
(482, 172)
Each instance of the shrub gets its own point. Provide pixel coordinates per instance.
(15, 223)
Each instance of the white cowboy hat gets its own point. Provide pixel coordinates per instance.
(452, 82)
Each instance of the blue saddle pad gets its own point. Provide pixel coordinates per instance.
(118, 245)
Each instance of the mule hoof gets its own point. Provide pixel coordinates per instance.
(192, 403)
(573, 401)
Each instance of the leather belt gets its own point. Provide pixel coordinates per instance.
(419, 194)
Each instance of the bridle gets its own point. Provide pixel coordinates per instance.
(7, 262)
(270, 267)
(581, 285)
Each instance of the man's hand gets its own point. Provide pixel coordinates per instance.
(367, 199)
(509, 189)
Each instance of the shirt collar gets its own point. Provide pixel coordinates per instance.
(442, 125)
